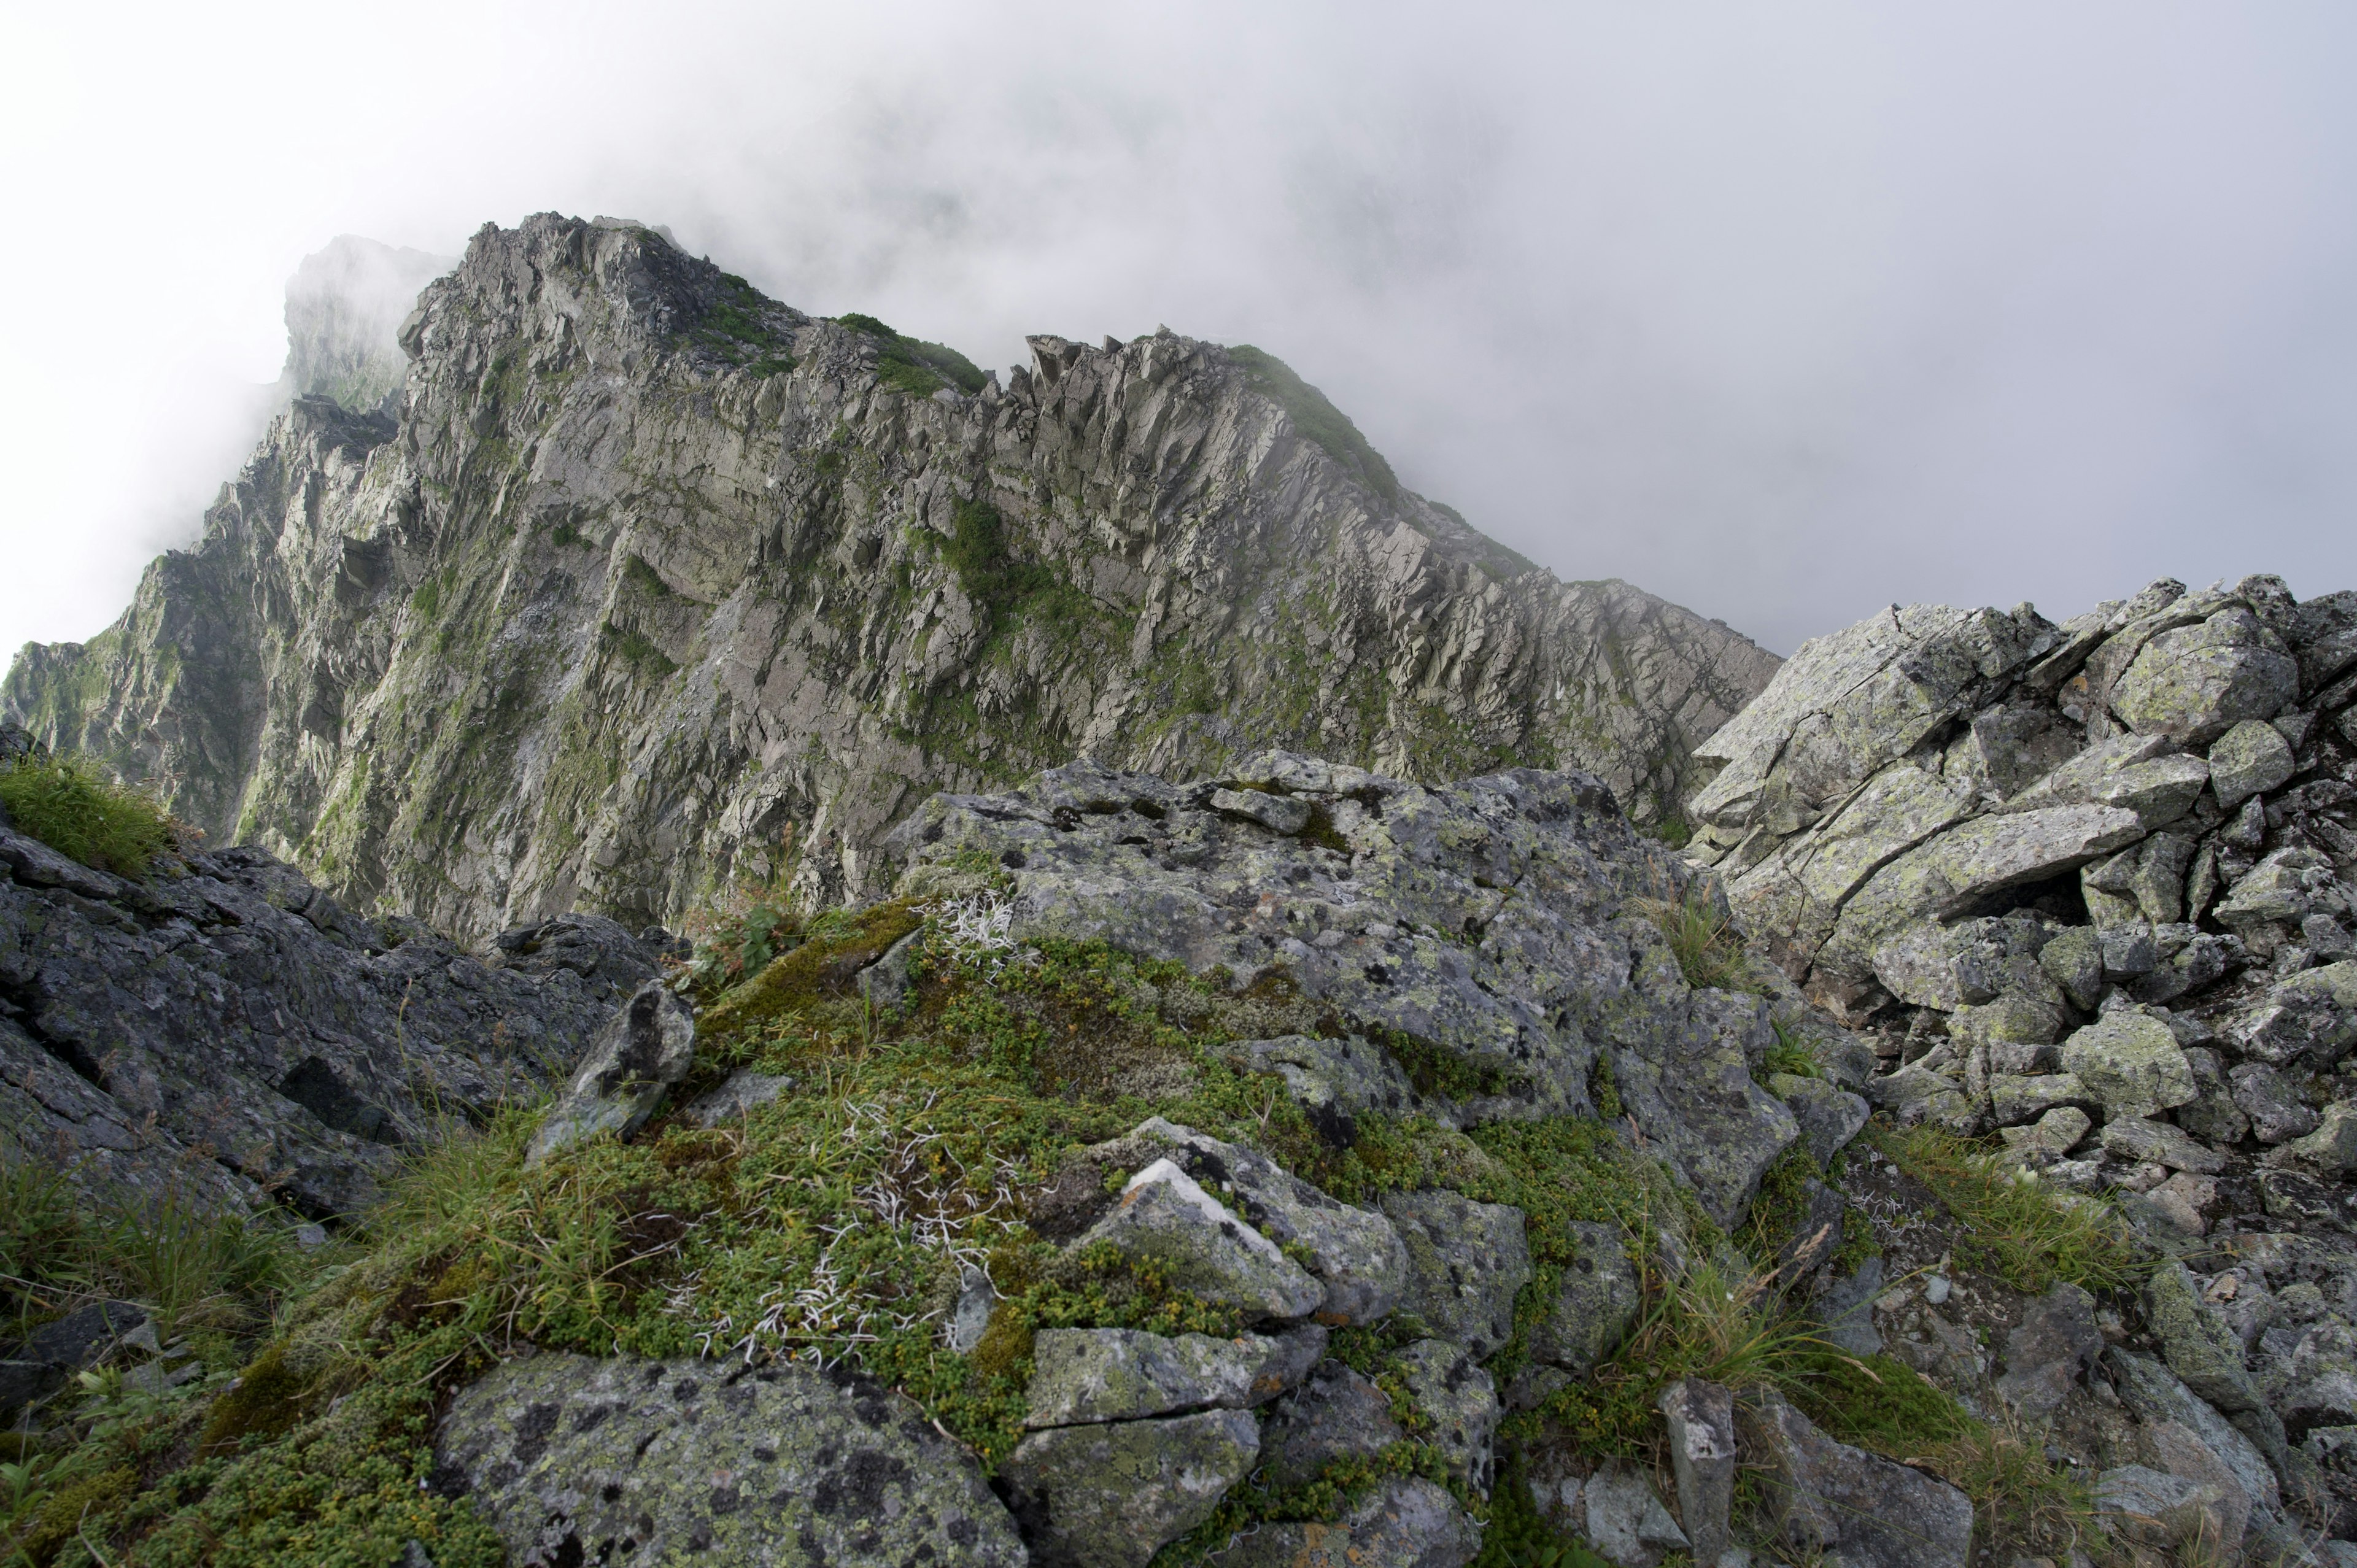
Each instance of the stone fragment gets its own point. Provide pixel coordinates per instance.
(2312, 1014)
(2131, 1063)
(47, 1358)
(2016, 1099)
(1166, 1218)
(2156, 1395)
(1626, 1522)
(2250, 759)
(2196, 683)
(2050, 1352)
(1826, 1500)
(2202, 961)
(2052, 1136)
(1336, 1081)
(1111, 1495)
(1917, 1095)
(1406, 1520)
(2331, 1151)
(738, 1095)
(1355, 1254)
(2134, 1138)
(2277, 1113)
(1829, 1115)
(576, 1459)
(2129, 950)
(2289, 885)
(1845, 1311)
(2212, 1114)
(2178, 1450)
(1466, 1262)
(2075, 960)
(646, 1048)
(2158, 792)
(2189, 1202)
(1278, 813)
(1697, 1103)
(1460, 1400)
(2154, 1509)
(2208, 1359)
(1334, 1415)
(1595, 1301)
(1700, 1419)
(1081, 1375)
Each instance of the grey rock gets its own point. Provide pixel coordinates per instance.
(2251, 759)
(1164, 1215)
(1595, 1300)
(2208, 1359)
(2212, 1114)
(2194, 684)
(647, 1047)
(1337, 1082)
(227, 1027)
(2311, 1016)
(1918, 1094)
(1354, 1254)
(2052, 1136)
(693, 645)
(738, 1095)
(2050, 1351)
(2291, 884)
(1334, 1415)
(1829, 1116)
(970, 1313)
(1826, 1498)
(2158, 1395)
(2014, 1099)
(47, 1359)
(2075, 960)
(2331, 1151)
(2152, 1508)
(2178, 1450)
(2135, 1139)
(1278, 813)
(2277, 1113)
(1626, 1522)
(2130, 951)
(1081, 1375)
(1460, 1400)
(568, 1458)
(1402, 1522)
(1467, 1261)
(2131, 1063)
(1700, 1419)
(1111, 1495)
(1845, 1310)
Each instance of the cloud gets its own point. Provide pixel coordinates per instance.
(1785, 313)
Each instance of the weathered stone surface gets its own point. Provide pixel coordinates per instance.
(2131, 1063)
(1204, 1247)
(1827, 1498)
(1354, 1254)
(1626, 1522)
(2291, 884)
(2075, 960)
(2311, 1016)
(1406, 1521)
(1466, 1262)
(2249, 760)
(45, 1360)
(2014, 1099)
(2134, 1138)
(2331, 1151)
(1595, 1302)
(2277, 1113)
(2156, 1395)
(1110, 1495)
(2052, 1136)
(1337, 1082)
(2050, 1351)
(2194, 684)
(1700, 1419)
(574, 1460)
(738, 1097)
(1334, 1415)
(226, 1026)
(2154, 1509)
(1081, 1375)
(623, 1077)
(1460, 1400)
(667, 629)
(2208, 1360)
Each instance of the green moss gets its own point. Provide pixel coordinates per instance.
(821, 967)
(267, 1399)
(69, 805)
(645, 578)
(1317, 418)
(634, 647)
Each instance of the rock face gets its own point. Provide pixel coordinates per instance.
(643, 571)
(574, 1460)
(225, 1032)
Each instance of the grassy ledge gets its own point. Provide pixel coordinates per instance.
(71, 807)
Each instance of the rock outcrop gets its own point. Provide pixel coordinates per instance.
(643, 573)
(223, 1033)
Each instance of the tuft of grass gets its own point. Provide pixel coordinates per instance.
(1708, 950)
(2008, 1223)
(913, 366)
(71, 807)
(2029, 1506)
(1790, 1054)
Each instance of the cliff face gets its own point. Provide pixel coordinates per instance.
(649, 579)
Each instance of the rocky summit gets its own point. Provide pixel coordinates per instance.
(1228, 1020)
(641, 571)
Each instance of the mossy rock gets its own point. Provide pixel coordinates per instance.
(823, 967)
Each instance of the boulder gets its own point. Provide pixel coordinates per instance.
(1700, 1419)
(2131, 1063)
(2050, 1351)
(1626, 1522)
(2287, 887)
(1278, 813)
(2312, 1015)
(1111, 1495)
(1460, 1402)
(2075, 960)
(2178, 1450)
(2052, 1136)
(1845, 1311)
(1596, 1298)
(2208, 1360)
(47, 1359)
(1829, 1115)
(2252, 759)
(2277, 1114)
(1466, 1262)
(1697, 1103)
(1336, 1081)
(2331, 1151)
(1354, 1254)
(2014, 1099)
(623, 1079)
(1336, 1413)
(1406, 1520)
(2196, 683)
(2135, 1139)
(2189, 1202)
(2156, 1395)
(1166, 1218)
(1828, 1499)
(571, 1459)
(1081, 1375)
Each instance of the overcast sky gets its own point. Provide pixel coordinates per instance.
(1784, 311)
